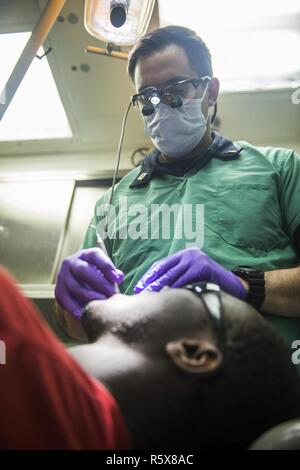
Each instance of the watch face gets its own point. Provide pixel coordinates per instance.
(246, 269)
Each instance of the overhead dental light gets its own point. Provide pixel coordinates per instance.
(118, 12)
(121, 22)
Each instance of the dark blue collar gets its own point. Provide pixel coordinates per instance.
(220, 148)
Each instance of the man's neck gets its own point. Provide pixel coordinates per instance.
(115, 358)
(133, 380)
(201, 147)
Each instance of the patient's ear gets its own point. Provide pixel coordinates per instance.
(195, 356)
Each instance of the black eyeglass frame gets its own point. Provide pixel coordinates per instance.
(217, 317)
(162, 93)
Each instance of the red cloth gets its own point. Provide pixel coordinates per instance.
(46, 400)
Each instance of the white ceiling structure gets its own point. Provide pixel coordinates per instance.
(95, 91)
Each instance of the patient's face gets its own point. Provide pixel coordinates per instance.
(172, 320)
(153, 316)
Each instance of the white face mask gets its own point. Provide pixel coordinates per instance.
(175, 132)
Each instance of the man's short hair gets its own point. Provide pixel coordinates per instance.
(195, 48)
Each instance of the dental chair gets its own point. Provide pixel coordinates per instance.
(285, 436)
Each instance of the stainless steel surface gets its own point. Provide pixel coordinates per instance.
(38, 291)
(57, 263)
(32, 218)
(82, 211)
(42, 222)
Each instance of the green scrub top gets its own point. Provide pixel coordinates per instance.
(251, 211)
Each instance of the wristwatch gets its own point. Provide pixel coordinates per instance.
(256, 281)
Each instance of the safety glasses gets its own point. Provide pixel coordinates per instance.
(183, 89)
(210, 295)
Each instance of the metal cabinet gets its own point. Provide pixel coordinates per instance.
(42, 222)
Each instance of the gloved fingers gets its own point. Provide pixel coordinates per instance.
(184, 279)
(168, 278)
(81, 293)
(204, 271)
(97, 257)
(67, 302)
(157, 270)
(234, 286)
(88, 274)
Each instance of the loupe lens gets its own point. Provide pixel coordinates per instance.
(148, 109)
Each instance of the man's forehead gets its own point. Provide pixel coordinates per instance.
(163, 67)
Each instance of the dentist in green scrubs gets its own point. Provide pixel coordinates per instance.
(200, 207)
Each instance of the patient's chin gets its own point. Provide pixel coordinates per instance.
(93, 320)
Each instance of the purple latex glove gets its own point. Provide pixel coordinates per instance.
(186, 266)
(85, 276)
